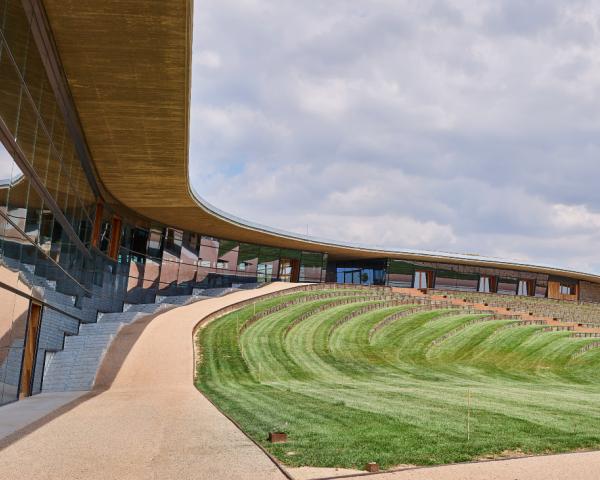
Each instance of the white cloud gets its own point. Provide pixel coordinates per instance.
(207, 58)
(464, 125)
(575, 217)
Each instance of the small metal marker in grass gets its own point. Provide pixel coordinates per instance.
(279, 433)
(277, 437)
(372, 467)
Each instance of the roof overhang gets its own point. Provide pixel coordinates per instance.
(128, 66)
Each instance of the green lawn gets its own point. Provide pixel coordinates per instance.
(347, 396)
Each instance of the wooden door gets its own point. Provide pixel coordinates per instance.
(29, 355)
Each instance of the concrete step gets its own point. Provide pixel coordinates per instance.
(213, 292)
(108, 328)
(57, 298)
(246, 286)
(144, 307)
(123, 317)
(75, 367)
(89, 342)
(174, 300)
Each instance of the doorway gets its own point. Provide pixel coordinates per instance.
(423, 279)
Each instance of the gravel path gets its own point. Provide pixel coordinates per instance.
(150, 422)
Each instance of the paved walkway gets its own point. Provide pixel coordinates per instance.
(17, 416)
(151, 422)
(572, 466)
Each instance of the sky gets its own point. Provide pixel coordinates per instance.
(469, 126)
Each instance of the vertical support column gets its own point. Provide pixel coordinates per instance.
(97, 223)
(115, 238)
(295, 273)
(431, 279)
(29, 355)
(494, 284)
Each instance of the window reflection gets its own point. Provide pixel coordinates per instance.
(454, 280)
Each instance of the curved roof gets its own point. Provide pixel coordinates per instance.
(128, 66)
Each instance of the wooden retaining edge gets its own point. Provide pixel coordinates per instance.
(457, 330)
(300, 288)
(524, 323)
(585, 335)
(367, 309)
(395, 316)
(342, 301)
(317, 287)
(452, 309)
(298, 301)
(558, 328)
(322, 308)
(586, 348)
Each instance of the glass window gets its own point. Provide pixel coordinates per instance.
(16, 32)
(173, 244)
(138, 244)
(10, 173)
(11, 92)
(41, 154)
(34, 72)
(228, 255)
(248, 259)
(311, 267)
(169, 273)
(522, 289)
(420, 279)
(567, 290)
(190, 248)
(400, 274)
(186, 276)
(209, 251)
(541, 288)
(454, 280)
(507, 286)
(222, 265)
(155, 243)
(27, 128)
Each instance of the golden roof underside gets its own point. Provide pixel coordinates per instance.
(128, 65)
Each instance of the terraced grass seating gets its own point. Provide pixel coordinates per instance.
(584, 313)
(385, 378)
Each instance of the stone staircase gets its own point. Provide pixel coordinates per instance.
(75, 367)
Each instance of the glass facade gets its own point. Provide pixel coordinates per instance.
(61, 246)
(177, 263)
(442, 276)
